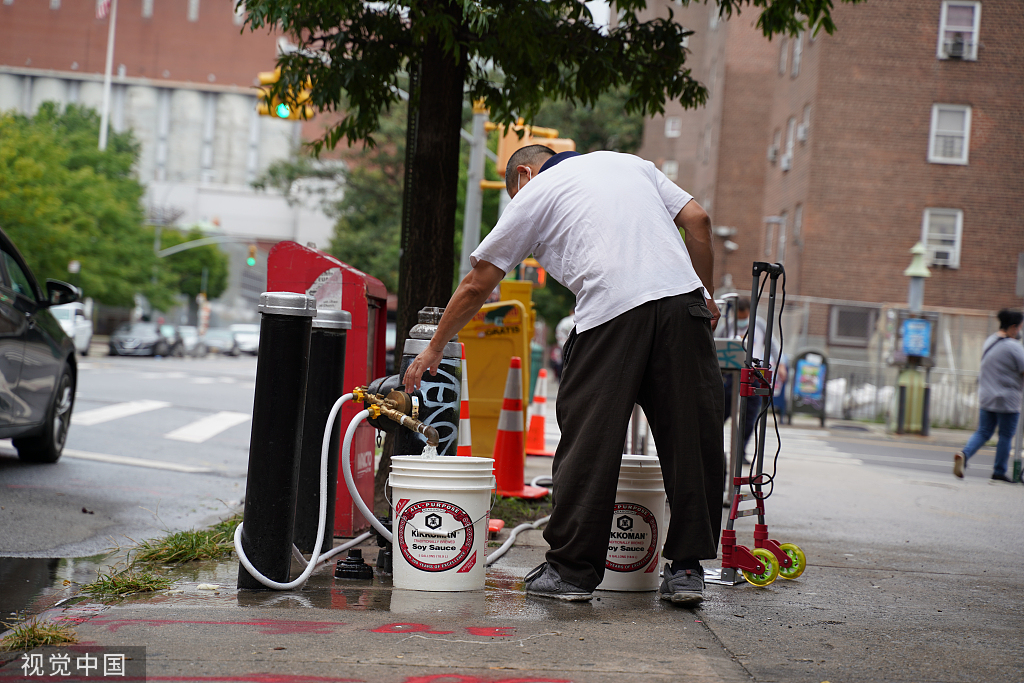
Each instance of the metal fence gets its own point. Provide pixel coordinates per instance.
(865, 391)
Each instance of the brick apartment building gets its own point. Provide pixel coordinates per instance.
(183, 81)
(836, 154)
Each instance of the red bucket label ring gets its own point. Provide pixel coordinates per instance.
(431, 551)
(634, 537)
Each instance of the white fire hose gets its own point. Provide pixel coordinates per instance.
(346, 467)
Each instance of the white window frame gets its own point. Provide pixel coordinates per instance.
(971, 53)
(673, 126)
(798, 51)
(713, 16)
(798, 225)
(783, 56)
(780, 246)
(933, 135)
(958, 215)
(670, 167)
(193, 10)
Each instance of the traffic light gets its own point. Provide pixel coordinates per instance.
(287, 104)
(251, 261)
(510, 142)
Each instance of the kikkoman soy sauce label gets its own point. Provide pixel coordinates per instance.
(633, 542)
(434, 536)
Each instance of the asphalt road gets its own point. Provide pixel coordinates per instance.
(154, 445)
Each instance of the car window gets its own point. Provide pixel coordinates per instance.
(19, 281)
(60, 314)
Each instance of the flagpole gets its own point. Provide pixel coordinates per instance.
(105, 114)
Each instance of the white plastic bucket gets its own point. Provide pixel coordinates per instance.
(638, 527)
(441, 510)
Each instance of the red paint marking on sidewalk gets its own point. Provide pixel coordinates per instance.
(497, 631)
(402, 627)
(269, 628)
(237, 678)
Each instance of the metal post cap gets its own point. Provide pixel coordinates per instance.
(287, 303)
(333, 320)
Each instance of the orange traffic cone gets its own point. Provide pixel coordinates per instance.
(509, 456)
(535, 443)
(465, 438)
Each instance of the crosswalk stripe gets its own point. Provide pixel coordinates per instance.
(97, 416)
(134, 462)
(207, 427)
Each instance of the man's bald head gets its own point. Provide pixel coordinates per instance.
(531, 155)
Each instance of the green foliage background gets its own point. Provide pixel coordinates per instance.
(61, 199)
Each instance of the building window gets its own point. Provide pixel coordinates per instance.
(941, 232)
(713, 17)
(798, 50)
(958, 30)
(950, 134)
(780, 250)
(673, 126)
(685, 42)
(670, 168)
(707, 143)
(786, 162)
(851, 325)
(798, 225)
(193, 10)
(773, 150)
(769, 235)
(240, 13)
(783, 54)
(54, 4)
(147, 9)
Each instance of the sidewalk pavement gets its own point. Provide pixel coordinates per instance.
(912, 577)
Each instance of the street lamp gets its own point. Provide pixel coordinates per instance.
(917, 271)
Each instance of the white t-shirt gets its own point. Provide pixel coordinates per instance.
(602, 225)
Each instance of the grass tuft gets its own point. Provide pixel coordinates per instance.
(127, 582)
(33, 634)
(187, 546)
(515, 511)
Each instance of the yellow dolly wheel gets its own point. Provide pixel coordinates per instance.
(771, 568)
(799, 561)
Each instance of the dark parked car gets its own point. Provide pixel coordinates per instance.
(38, 370)
(139, 339)
(221, 340)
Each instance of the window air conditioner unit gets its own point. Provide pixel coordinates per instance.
(801, 132)
(956, 48)
(942, 258)
(773, 153)
(786, 162)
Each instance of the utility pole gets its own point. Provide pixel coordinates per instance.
(105, 114)
(474, 193)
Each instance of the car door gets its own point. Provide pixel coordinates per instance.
(13, 325)
(41, 356)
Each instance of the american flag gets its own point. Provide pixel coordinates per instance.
(102, 8)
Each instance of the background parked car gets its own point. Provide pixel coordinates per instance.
(138, 339)
(191, 341)
(220, 340)
(38, 373)
(75, 323)
(175, 344)
(248, 337)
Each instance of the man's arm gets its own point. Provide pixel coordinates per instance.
(465, 302)
(693, 220)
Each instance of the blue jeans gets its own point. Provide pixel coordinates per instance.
(987, 422)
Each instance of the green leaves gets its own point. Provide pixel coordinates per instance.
(61, 200)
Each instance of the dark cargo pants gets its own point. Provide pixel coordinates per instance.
(661, 355)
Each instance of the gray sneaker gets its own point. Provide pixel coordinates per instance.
(685, 587)
(544, 581)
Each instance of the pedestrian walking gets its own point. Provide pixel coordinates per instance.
(607, 226)
(1000, 385)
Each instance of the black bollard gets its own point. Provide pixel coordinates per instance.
(324, 385)
(276, 435)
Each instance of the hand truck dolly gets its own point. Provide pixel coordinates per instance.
(769, 559)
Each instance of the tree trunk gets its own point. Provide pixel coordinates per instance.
(427, 264)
